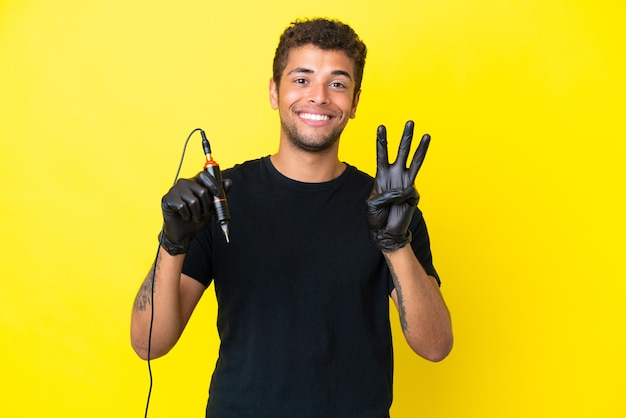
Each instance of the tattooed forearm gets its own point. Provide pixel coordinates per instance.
(144, 296)
(398, 287)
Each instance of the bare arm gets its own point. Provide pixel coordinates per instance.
(173, 297)
(167, 297)
(424, 317)
(423, 314)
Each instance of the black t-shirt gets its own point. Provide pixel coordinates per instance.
(303, 306)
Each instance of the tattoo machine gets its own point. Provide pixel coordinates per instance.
(220, 204)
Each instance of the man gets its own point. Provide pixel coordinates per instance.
(317, 249)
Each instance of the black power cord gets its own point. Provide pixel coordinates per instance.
(152, 276)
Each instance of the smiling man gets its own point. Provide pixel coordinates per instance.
(317, 249)
(317, 92)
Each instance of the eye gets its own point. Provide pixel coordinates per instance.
(338, 85)
(300, 81)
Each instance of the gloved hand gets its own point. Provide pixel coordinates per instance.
(394, 198)
(186, 210)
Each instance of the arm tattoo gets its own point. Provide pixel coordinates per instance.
(144, 296)
(398, 287)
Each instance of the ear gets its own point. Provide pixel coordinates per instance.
(273, 94)
(355, 103)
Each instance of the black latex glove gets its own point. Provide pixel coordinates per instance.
(187, 209)
(394, 198)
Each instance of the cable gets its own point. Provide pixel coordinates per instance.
(152, 277)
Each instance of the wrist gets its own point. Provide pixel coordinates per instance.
(171, 247)
(387, 242)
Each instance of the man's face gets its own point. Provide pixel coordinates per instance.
(316, 97)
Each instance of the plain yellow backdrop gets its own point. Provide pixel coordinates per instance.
(522, 190)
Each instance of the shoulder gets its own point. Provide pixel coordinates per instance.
(356, 176)
(245, 169)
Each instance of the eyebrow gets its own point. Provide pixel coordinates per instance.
(309, 71)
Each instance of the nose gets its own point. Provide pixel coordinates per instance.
(318, 94)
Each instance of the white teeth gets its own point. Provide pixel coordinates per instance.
(312, 116)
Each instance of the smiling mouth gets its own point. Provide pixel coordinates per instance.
(314, 117)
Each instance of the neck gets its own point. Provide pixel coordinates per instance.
(308, 167)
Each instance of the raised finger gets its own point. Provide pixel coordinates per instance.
(405, 143)
(382, 158)
(418, 157)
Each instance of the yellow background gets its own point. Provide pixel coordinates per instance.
(522, 189)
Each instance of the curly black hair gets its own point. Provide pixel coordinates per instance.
(327, 34)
